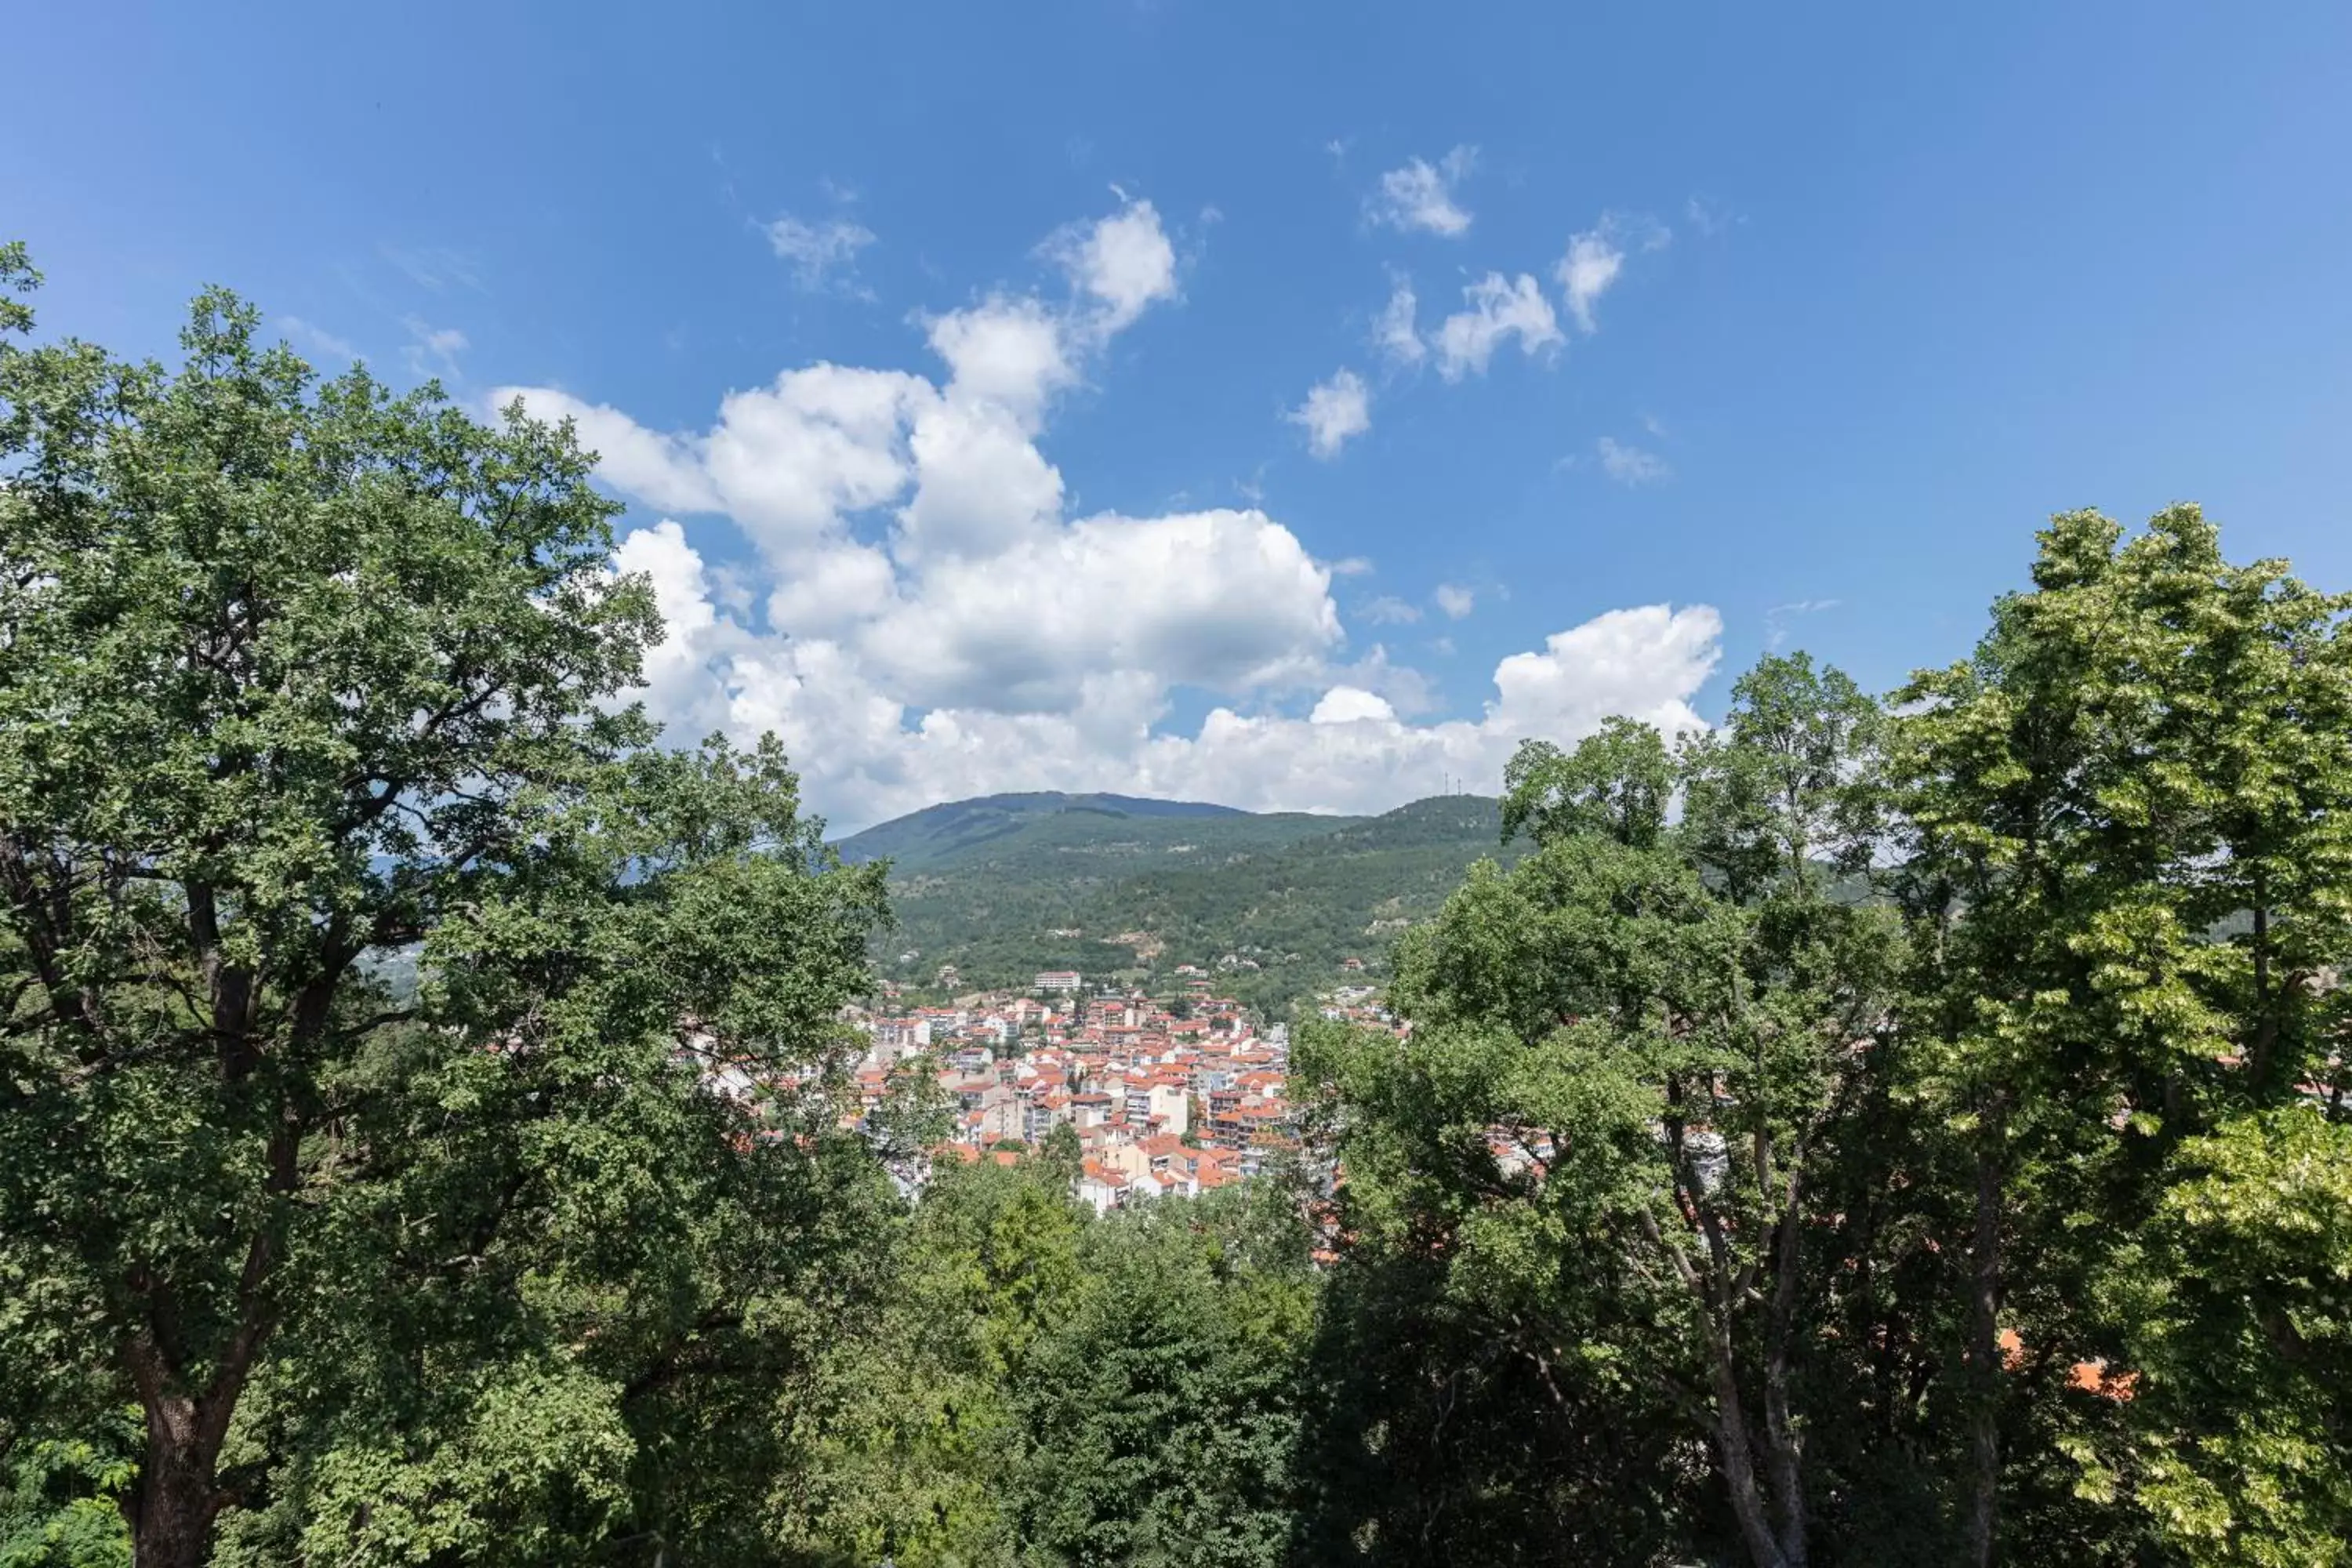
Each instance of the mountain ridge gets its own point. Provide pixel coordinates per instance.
(1276, 903)
(948, 830)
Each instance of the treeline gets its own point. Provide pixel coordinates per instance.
(1876, 1131)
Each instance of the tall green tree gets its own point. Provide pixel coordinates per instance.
(905, 1435)
(1630, 1055)
(1043, 1387)
(1159, 1416)
(2126, 861)
(295, 673)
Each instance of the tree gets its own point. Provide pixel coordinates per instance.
(2237, 1348)
(2126, 863)
(1160, 1414)
(1629, 1055)
(293, 675)
(59, 1498)
(1062, 1153)
(903, 1440)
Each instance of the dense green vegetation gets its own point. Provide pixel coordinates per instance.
(1013, 830)
(983, 884)
(1903, 1130)
(1038, 1386)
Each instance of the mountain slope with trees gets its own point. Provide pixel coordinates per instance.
(1013, 828)
(1288, 896)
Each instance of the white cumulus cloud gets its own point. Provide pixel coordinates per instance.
(1352, 705)
(1226, 600)
(913, 611)
(1334, 411)
(1498, 308)
(1012, 351)
(873, 739)
(1641, 663)
(1124, 262)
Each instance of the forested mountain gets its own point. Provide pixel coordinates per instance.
(990, 827)
(1005, 885)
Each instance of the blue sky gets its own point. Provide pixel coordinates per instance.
(1867, 292)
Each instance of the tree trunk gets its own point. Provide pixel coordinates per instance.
(177, 1493)
(2266, 1018)
(1784, 1449)
(1984, 1350)
(172, 1506)
(1737, 1458)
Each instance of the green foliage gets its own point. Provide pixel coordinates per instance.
(1631, 1053)
(1161, 1412)
(1291, 893)
(1615, 784)
(1062, 1153)
(2238, 1302)
(2126, 820)
(1041, 1387)
(60, 1497)
(17, 276)
(1426, 1439)
(293, 672)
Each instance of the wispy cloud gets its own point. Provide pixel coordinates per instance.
(1596, 258)
(817, 251)
(1395, 331)
(1630, 465)
(1708, 216)
(1419, 196)
(433, 351)
(315, 340)
(1777, 618)
(1352, 566)
(433, 267)
(1388, 610)
(1456, 600)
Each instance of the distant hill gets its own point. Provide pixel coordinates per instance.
(957, 830)
(1004, 886)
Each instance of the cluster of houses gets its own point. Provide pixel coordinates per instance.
(1163, 1099)
(1359, 1004)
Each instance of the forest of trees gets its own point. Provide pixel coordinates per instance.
(1293, 895)
(1901, 1129)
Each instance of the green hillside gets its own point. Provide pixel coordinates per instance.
(1005, 885)
(990, 826)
